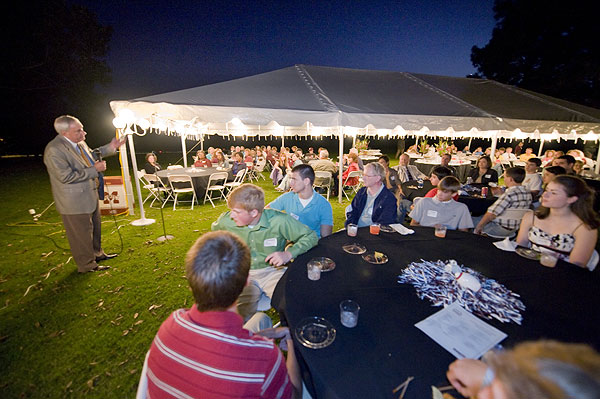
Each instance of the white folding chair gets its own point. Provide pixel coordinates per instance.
(216, 184)
(323, 180)
(237, 181)
(181, 184)
(354, 189)
(157, 188)
(513, 214)
(260, 167)
(251, 173)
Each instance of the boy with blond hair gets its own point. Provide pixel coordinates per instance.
(267, 232)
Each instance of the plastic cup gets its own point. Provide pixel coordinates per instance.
(440, 230)
(349, 313)
(548, 259)
(352, 230)
(374, 228)
(314, 270)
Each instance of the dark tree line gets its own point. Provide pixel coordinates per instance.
(54, 60)
(548, 46)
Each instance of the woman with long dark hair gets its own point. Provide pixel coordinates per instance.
(565, 223)
(483, 173)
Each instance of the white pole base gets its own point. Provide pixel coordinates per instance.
(165, 238)
(143, 222)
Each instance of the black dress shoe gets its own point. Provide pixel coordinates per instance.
(100, 268)
(105, 257)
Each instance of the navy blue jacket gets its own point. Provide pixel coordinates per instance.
(384, 208)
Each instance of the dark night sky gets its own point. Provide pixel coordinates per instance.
(161, 46)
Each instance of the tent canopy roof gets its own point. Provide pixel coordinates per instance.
(328, 97)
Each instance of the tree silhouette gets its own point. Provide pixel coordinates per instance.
(54, 60)
(548, 46)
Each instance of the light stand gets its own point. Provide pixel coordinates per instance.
(165, 236)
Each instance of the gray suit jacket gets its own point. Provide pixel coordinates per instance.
(73, 182)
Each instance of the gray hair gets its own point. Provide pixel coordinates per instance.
(377, 169)
(64, 122)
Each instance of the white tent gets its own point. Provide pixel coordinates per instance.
(313, 101)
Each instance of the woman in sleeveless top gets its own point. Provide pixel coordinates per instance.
(565, 223)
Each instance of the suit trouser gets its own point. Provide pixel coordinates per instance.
(85, 239)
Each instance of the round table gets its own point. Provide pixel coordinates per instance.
(385, 348)
(199, 177)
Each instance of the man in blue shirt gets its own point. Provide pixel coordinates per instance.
(304, 204)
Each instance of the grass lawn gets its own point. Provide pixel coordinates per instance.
(63, 334)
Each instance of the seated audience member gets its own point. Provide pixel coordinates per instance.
(483, 173)
(266, 232)
(310, 155)
(323, 164)
(437, 174)
(373, 203)
(303, 203)
(183, 353)
(508, 155)
(533, 180)
(280, 168)
(565, 223)
(542, 369)
(578, 167)
(548, 157)
(238, 163)
(442, 209)
(152, 166)
(566, 161)
(407, 172)
(391, 175)
(354, 151)
(352, 167)
(515, 197)
(219, 160)
(445, 162)
(527, 155)
(550, 173)
(201, 160)
(211, 153)
(285, 182)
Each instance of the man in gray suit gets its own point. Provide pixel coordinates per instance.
(75, 175)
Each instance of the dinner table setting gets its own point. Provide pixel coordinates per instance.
(381, 311)
(199, 175)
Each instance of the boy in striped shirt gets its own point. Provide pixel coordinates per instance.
(204, 351)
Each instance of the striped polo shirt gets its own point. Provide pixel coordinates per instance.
(209, 355)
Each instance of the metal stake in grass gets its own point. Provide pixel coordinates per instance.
(165, 236)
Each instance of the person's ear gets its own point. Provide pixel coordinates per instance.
(254, 213)
(572, 200)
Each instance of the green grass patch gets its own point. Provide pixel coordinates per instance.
(63, 334)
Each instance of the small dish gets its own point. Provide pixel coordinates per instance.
(354, 248)
(325, 264)
(376, 258)
(528, 253)
(315, 332)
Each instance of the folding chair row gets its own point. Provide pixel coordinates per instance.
(216, 184)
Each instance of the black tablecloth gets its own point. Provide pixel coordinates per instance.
(595, 185)
(411, 189)
(199, 177)
(385, 348)
(462, 171)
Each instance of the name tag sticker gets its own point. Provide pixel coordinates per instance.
(488, 176)
(432, 214)
(294, 216)
(270, 242)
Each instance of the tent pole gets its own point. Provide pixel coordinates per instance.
(340, 163)
(282, 140)
(126, 177)
(598, 161)
(353, 141)
(201, 142)
(541, 147)
(184, 150)
(142, 221)
(494, 142)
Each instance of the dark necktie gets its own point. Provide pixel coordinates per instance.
(408, 175)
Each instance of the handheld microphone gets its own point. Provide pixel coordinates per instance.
(98, 154)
